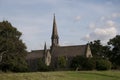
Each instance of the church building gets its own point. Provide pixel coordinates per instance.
(50, 56)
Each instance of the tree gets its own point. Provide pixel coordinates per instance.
(115, 52)
(12, 49)
(98, 50)
(96, 47)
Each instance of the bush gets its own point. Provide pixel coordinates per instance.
(14, 67)
(42, 66)
(90, 64)
(83, 63)
(62, 63)
(114, 66)
(103, 64)
(77, 62)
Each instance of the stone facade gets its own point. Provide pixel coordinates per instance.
(49, 56)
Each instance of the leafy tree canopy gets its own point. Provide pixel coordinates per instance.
(115, 54)
(98, 50)
(12, 49)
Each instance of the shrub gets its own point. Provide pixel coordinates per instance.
(90, 64)
(103, 64)
(14, 67)
(77, 62)
(83, 63)
(62, 63)
(42, 66)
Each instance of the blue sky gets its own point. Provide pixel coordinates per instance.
(78, 21)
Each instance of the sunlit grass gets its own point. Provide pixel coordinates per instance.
(63, 75)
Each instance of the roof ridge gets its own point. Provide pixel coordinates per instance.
(73, 45)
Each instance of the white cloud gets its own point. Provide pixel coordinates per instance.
(110, 23)
(104, 33)
(77, 18)
(110, 17)
(92, 25)
(102, 18)
(115, 15)
(87, 37)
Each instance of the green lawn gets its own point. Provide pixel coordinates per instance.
(63, 75)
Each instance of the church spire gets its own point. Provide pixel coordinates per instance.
(54, 36)
(54, 31)
(45, 48)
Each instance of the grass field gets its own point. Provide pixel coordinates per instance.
(63, 75)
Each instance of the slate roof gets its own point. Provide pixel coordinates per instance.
(35, 54)
(70, 51)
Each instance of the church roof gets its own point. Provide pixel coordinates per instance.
(35, 54)
(70, 50)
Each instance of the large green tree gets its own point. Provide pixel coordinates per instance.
(98, 50)
(115, 52)
(12, 49)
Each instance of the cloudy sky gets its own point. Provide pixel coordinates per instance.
(78, 21)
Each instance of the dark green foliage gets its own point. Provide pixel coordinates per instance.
(82, 63)
(13, 48)
(103, 64)
(77, 62)
(96, 47)
(42, 66)
(114, 56)
(110, 52)
(90, 64)
(98, 50)
(62, 63)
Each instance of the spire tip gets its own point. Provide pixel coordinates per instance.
(54, 14)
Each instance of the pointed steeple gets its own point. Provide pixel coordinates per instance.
(54, 37)
(54, 31)
(45, 48)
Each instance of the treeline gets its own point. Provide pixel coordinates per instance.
(78, 63)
